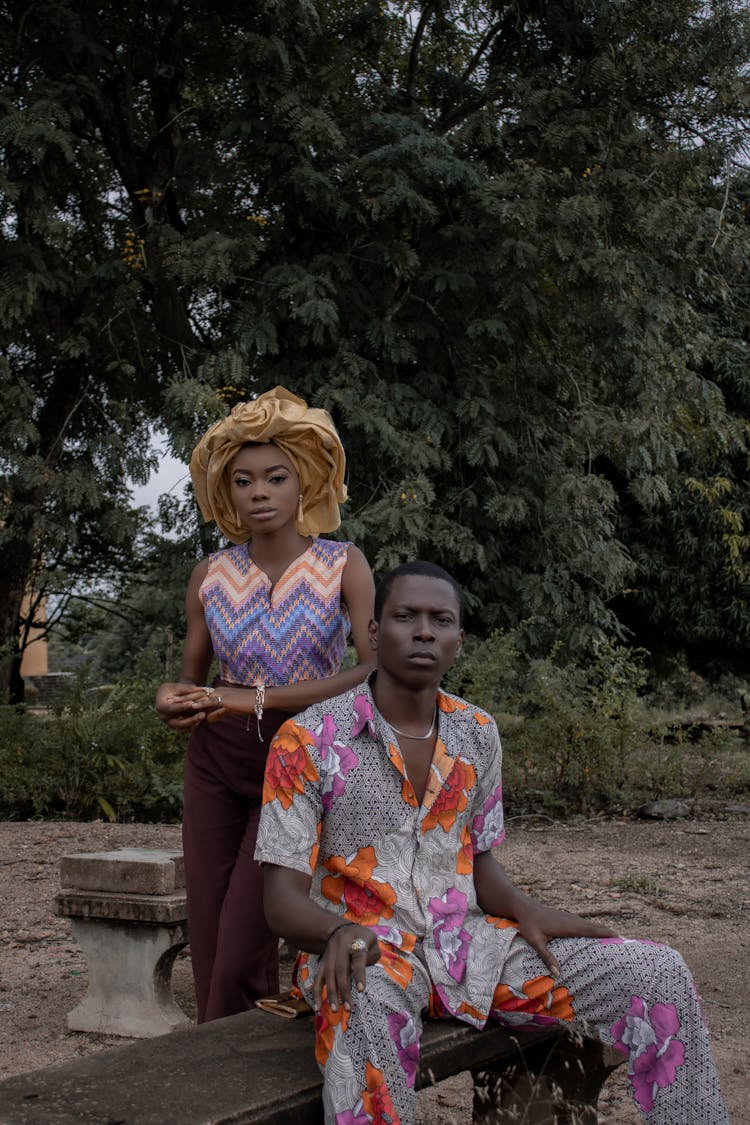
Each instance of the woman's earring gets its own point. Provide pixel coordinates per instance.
(300, 509)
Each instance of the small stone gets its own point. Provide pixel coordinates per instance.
(671, 808)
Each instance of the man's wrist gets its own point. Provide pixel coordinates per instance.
(335, 930)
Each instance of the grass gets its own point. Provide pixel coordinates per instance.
(638, 885)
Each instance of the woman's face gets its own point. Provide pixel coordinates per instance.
(264, 487)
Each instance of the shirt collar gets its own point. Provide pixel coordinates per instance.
(368, 718)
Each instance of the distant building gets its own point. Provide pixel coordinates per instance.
(34, 662)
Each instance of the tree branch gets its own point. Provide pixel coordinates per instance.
(478, 98)
(411, 73)
(485, 43)
(106, 607)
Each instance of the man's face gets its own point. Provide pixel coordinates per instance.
(419, 636)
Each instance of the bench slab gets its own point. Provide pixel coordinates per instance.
(251, 1067)
(145, 871)
(152, 909)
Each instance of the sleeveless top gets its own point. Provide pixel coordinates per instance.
(297, 631)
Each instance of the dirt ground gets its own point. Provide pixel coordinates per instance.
(682, 882)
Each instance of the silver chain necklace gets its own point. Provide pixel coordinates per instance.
(417, 737)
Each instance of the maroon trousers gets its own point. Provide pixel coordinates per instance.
(234, 954)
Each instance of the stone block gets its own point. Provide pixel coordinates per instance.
(129, 978)
(256, 1069)
(151, 909)
(145, 871)
(128, 911)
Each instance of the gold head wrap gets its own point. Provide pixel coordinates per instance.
(308, 437)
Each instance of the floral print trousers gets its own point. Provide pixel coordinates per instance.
(636, 996)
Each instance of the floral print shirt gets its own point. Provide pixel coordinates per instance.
(339, 806)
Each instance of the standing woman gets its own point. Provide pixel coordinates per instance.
(275, 611)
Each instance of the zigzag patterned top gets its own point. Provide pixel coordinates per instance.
(295, 631)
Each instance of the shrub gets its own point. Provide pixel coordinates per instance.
(97, 751)
(582, 736)
(570, 729)
(579, 737)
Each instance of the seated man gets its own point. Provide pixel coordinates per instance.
(380, 810)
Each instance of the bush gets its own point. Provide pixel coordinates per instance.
(97, 751)
(580, 736)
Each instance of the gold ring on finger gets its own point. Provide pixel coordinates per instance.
(359, 945)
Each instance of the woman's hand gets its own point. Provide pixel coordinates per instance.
(538, 924)
(214, 702)
(339, 963)
(182, 706)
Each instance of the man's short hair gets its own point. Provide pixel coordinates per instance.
(419, 567)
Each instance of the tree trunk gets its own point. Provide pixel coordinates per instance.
(18, 555)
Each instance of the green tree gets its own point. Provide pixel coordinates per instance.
(691, 589)
(494, 243)
(490, 237)
(136, 627)
(85, 345)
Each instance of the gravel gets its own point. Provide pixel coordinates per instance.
(683, 882)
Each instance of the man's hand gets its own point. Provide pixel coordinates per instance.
(290, 912)
(539, 924)
(339, 963)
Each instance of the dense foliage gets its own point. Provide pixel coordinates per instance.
(505, 243)
(590, 735)
(98, 753)
(579, 737)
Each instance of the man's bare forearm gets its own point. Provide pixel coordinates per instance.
(537, 923)
(345, 948)
(292, 914)
(496, 894)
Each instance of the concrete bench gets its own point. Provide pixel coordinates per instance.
(259, 1068)
(128, 912)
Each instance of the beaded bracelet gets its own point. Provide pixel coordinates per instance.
(260, 695)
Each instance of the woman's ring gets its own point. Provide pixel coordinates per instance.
(359, 945)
